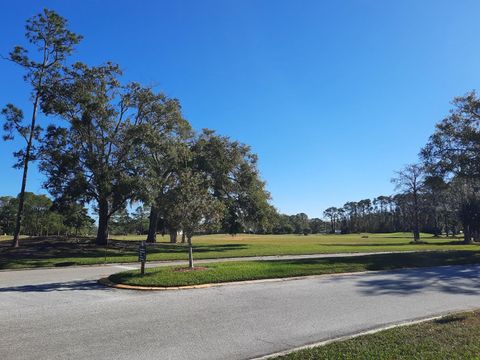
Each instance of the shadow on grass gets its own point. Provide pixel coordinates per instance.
(367, 244)
(428, 242)
(181, 248)
(58, 286)
(36, 252)
(451, 319)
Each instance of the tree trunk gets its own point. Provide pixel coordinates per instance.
(476, 236)
(152, 226)
(102, 233)
(190, 253)
(26, 160)
(467, 235)
(416, 226)
(173, 236)
(183, 237)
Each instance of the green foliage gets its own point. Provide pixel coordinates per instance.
(43, 218)
(192, 205)
(232, 170)
(92, 159)
(452, 153)
(8, 211)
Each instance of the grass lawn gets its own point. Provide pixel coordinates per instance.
(252, 270)
(37, 252)
(454, 337)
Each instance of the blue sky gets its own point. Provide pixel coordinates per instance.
(333, 96)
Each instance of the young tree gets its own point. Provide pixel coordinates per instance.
(409, 181)
(193, 206)
(48, 35)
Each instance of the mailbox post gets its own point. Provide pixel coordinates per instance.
(142, 257)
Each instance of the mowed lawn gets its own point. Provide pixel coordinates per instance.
(36, 252)
(453, 337)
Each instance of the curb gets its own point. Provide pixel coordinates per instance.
(362, 333)
(107, 282)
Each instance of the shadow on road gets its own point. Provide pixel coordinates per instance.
(59, 286)
(451, 279)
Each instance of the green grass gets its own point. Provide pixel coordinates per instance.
(454, 337)
(253, 270)
(38, 252)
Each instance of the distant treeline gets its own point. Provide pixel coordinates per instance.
(393, 213)
(42, 218)
(440, 194)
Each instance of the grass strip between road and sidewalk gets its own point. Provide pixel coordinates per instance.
(452, 337)
(221, 272)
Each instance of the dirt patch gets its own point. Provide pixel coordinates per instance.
(195, 268)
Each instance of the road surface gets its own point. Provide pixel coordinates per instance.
(65, 314)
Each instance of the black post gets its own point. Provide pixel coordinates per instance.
(142, 257)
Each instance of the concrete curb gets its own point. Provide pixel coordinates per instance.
(362, 333)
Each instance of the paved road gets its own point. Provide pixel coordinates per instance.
(78, 319)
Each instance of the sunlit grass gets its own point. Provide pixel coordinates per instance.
(54, 251)
(454, 337)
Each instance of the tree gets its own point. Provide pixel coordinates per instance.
(48, 34)
(121, 223)
(140, 221)
(193, 206)
(232, 169)
(7, 214)
(453, 152)
(316, 225)
(332, 214)
(75, 216)
(409, 181)
(301, 224)
(161, 151)
(92, 159)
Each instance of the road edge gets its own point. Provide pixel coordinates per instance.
(362, 333)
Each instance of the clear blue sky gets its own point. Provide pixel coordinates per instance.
(332, 95)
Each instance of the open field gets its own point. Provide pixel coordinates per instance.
(453, 337)
(37, 252)
(254, 270)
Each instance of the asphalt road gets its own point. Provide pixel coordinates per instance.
(65, 314)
